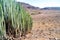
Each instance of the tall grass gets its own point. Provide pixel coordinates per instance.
(15, 16)
(2, 25)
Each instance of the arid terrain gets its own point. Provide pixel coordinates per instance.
(46, 24)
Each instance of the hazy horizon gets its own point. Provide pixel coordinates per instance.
(42, 3)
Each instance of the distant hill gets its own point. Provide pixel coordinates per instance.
(26, 5)
(51, 8)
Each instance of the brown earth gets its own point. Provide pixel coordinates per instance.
(46, 25)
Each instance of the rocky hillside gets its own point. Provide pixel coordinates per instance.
(26, 5)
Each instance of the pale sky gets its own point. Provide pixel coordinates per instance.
(42, 3)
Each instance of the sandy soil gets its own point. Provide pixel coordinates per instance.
(46, 26)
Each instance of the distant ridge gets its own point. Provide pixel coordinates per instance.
(51, 8)
(26, 5)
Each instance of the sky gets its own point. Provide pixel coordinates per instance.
(42, 3)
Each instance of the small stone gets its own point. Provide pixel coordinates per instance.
(52, 39)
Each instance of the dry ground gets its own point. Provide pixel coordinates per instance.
(46, 26)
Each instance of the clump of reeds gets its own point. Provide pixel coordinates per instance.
(14, 19)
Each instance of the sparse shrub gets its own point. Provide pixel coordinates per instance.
(35, 13)
(32, 13)
(39, 12)
(13, 19)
